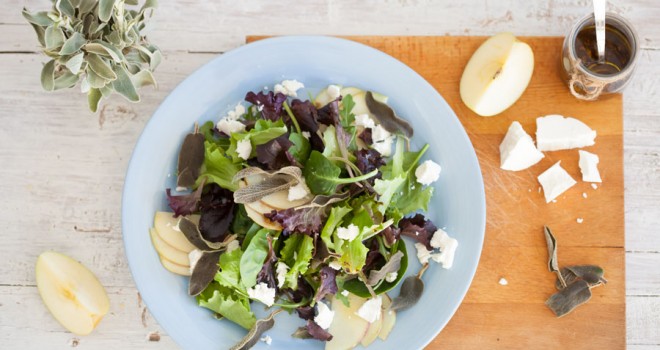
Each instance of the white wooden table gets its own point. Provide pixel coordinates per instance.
(62, 168)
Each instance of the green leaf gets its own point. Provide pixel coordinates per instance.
(156, 58)
(143, 78)
(149, 4)
(290, 248)
(386, 190)
(54, 37)
(86, 6)
(225, 302)
(100, 67)
(345, 114)
(229, 274)
(299, 262)
(65, 80)
(263, 131)
(105, 9)
(123, 84)
(94, 80)
(254, 257)
(414, 197)
(358, 288)
(73, 44)
(218, 168)
(37, 18)
(74, 63)
(241, 223)
(337, 214)
(48, 76)
(301, 147)
(330, 142)
(102, 48)
(322, 176)
(354, 255)
(93, 98)
(65, 7)
(40, 34)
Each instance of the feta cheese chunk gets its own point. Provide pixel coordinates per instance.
(555, 181)
(370, 311)
(280, 273)
(228, 126)
(306, 134)
(298, 191)
(233, 245)
(267, 339)
(447, 246)
(365, 121)
(333, 92)
(324, 316)
(348, 233)
(423, 254)
(193, 257)
(238, 111)
(517, 150)
(555, 132)
(379, 133)
(384, 147)
(244, 148)
(262, 293)
(589, 167)
(503, 282)
(391, 276)
(344, 293)
(289, 87)
(335, 265)
(428, 172)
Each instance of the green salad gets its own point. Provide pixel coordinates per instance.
(302, 205)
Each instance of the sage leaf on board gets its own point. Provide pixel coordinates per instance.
(411, 290)
(387, 117)
(566, 300)
(592, 274)
(553, 265)
(203, 273)
(255, 332)
(191, 158)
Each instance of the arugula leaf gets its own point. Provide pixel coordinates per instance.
(301, 147)
(217, 168)
(253, 259)
(232, 306)
(322, 176)
(229, 273)
(346, 116)
(354, 255)
(330, 141)
(262, 132)
(337, 213)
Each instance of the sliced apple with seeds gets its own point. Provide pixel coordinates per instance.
(347, 327)
(174, 267)
(389, 318)
(260, 207)
(167, 251)
(166, 226)
(71, 292)
(261, 220)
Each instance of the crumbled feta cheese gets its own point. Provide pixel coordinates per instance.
(428, 172)
(555, 181)
(324, 316)
(447, 246)
(517, 150)
(238, 111)
(384, 147)
(379, 133)
(370, 311)
(228, 127)
(589, 167)
(289, 87)
(594, 186)
(298, 191)
(180, 188)
(348, 233)
(503, 281)
(555, 132)
(244, 148)
(306, 134)
(579, 220)
(365, 121)
(262, 293)
(193, 257)
(584, 194)
(333, 92)
(423, 254)
(233, 245)
(344, 293)
(391, 276)
(267, 339)
(280, 273)
(335, 265)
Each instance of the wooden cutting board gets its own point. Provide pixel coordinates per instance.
(514, 316)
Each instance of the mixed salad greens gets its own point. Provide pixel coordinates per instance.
(294, 203)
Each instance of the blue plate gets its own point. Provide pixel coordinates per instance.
(458, 203)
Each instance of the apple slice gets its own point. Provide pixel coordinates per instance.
(327, 95)
(166, 225)
(497, 74)
(167, 251)
(260, 207)
(373, 331)
(280, 200)
(389, 318)
(347, 327)
(71, 292)
(174, 267)
(261, 220)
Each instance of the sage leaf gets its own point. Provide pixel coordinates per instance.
(273, 182)
(100, 67)
(41, 33)
(149, 4)
(65, 7)
(86, 6)
(48, 76)
(37, 18)
(392, 265)
(95, 80)
(194, 236)
(570, 297)
(93, 98)
(143, 78)
(411, 290)
(102, 48)
(553, 265)
(65, 80)
(191, 157)
(203, 272)
(105, 9)
(124, 86)
(592, 274)
(73, 44)
(387, 117)
(54, 37)
(255, 332)
(74, 63)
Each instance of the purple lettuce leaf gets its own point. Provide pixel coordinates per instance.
(271, 102)
(184, 204)
(217, 208)
(391, 235)
(274, 154)
(419, 229)
(317, 332)
(369, 160)
(366, 137)
(305, 312)
(307, 116)
(329, 114)
(306, 220)
(328, 283)
(303, 292)
(267, 273)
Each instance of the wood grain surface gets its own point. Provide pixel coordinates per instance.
(511, 317)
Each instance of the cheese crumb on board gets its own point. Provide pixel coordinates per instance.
(503, 281)
(589, 167)
(594, 186)
(579, 220)
(517, 150)
(555, 181)
(556, 132)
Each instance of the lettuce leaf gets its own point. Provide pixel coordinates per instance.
(253, 260)
(217, 212)
(262, 132)
(337, 214)
(229, 274)
(354, 255)
(230, 305)
(297, 253)
(218, 168)
(322, 176)
(269, 103)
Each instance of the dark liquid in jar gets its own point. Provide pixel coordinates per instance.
(617, 50)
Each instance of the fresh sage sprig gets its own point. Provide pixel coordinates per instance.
(573, 282)
(99, 43)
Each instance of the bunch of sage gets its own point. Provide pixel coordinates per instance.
(98, 43)
(573, 282)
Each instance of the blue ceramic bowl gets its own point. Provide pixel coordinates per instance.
(458, 203)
